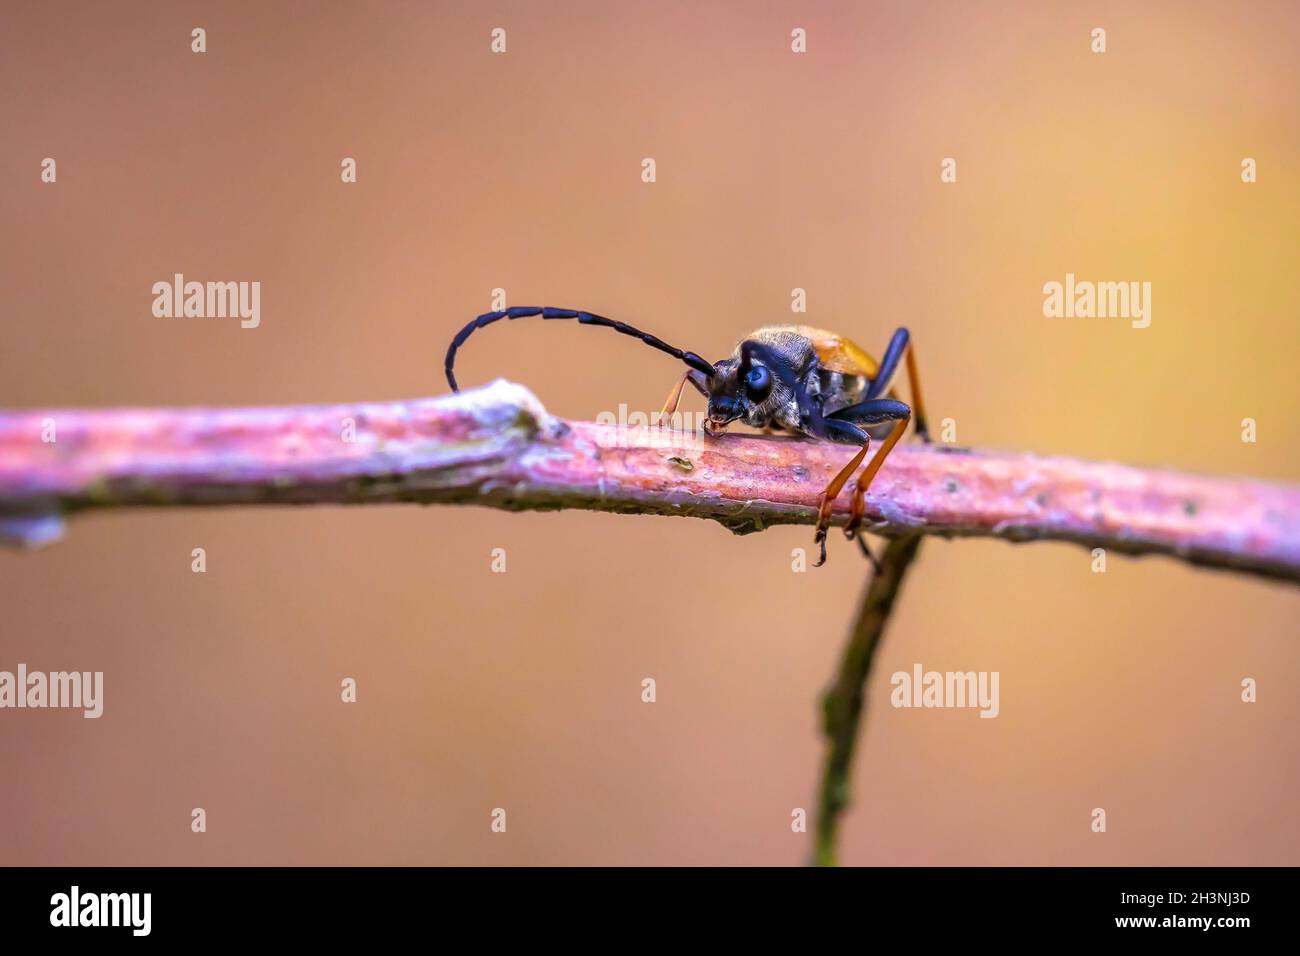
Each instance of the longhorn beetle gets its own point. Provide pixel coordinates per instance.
(784, 377)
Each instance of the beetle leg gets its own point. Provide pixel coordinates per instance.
(866, 553)
(844, 433)
(675, 396)
(860, 487)
(900, 346)
(873, 411)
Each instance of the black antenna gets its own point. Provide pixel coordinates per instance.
(586, 318)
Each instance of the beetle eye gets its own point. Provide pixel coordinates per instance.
(758, 381)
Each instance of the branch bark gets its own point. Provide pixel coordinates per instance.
(497, 446)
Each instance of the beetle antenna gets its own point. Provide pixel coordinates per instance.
(586, 318)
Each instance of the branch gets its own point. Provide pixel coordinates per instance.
(497, 446)
(843, 701)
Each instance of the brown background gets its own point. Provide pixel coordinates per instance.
(481, 690)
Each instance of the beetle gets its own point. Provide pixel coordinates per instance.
(791, 378)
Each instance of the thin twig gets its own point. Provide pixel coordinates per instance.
(497, 446)
(843, 702)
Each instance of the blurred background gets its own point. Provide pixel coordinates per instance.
(522, 171)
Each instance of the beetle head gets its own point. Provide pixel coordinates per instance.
(750, 386)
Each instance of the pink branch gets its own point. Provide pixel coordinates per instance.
(497, 446)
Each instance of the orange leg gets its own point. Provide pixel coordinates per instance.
(673, 400)
(918, 406)
(827, 501)
(859, 505)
